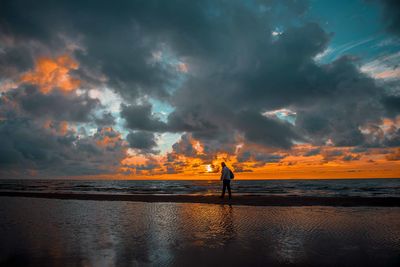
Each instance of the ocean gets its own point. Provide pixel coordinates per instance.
(311, 187)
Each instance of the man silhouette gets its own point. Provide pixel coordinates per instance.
(226, 180)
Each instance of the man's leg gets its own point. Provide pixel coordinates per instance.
(223, 188)
(229, 188)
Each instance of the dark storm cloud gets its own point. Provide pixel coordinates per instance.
(231, 43)
(185, 147)
(106, 119)
(59, 106)
(112, 37)
(28, 101)
(351, 100)
(392, 104)
(259, 157)
(391, 15)
(35, 137)
(139, 117)
(283, 74)
(24, 145)
(14, 59)
(122, 37)
(144, 141)
(265, 131)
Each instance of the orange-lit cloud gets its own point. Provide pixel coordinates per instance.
(59, 128)
(108, 138)
(49, 74)
(302, 161)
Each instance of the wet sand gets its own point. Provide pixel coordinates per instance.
(52, 232)
(250, 200)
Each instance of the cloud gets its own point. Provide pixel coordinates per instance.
(351, 99)
(145, 166)
(143, 141)
(394, 156)
(27, 146)
(385, 133)
(312, 152)
(392, 105)
(14, 57)
(385, 67)
(186, 146)
(351, 157)
(216, 64)
(52, 74)
(106, 119)
(260, 157)
(29, 101)
(391, 15)
(331, 155)
(139, 117)
(261, 130)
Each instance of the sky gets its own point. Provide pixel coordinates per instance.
(170, 89)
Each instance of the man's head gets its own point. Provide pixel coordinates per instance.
(223, 164)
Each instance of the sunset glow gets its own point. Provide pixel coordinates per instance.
(274, 98)
(209, 168)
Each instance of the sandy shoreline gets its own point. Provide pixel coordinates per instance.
(53, 232)
(250, 200)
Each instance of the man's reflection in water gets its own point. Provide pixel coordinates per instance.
(208, 226)
(228, 232)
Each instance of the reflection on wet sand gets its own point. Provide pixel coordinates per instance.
(46, 232)
(214, 224)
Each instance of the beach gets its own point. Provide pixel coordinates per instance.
(39, 231)
(249, 200)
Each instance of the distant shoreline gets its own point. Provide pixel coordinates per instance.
(249, 200)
